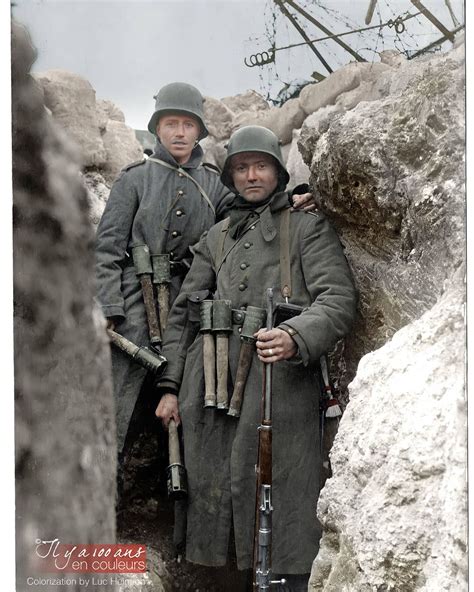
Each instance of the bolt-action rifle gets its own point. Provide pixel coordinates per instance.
(263, 506)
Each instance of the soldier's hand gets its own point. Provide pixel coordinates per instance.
(275, 345)
(168, 409)
(111, 324)
(305, 202)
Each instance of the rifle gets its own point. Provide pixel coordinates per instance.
(263, 506)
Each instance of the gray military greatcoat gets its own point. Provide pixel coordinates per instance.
(221, 451)
(159, 206)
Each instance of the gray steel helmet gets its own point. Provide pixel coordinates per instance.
(253, 138)
(179, 97)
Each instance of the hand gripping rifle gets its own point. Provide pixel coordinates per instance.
(263, 507)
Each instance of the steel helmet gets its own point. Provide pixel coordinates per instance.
(253, 138)
(179, 97)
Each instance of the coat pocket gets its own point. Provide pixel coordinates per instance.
(194, 304)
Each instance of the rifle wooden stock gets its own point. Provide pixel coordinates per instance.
(263, 504)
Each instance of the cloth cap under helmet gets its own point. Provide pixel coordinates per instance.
(253, 138)
(179, 97)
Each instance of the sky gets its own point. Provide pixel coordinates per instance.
(129, 49)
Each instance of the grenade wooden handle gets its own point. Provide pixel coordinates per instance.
(163, 304)
(173, 443)
(150, 308)
(209, 360)
(222, 367)
(245, 361)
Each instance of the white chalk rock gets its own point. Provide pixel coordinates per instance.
(324, 93)
(394, 513)
(72, 101)
(281, 120)
(249, 101)
(218, 118)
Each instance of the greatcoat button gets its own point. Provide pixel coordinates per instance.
(252, 227)
(243, 266)
(242, 287)
(247, 246)
(179, 213)
(180, 193)
(180, 175)
(175, 233)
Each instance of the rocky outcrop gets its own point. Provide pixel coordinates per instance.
(394, 513)
(281, 120)
(388, 170)
(354, 75)
(65, 450)
(390, 175)
(249, 101)
(97, 127)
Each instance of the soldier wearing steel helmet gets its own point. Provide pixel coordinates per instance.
(165, 202)
(237, 260)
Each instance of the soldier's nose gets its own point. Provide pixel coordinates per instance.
(252, 174)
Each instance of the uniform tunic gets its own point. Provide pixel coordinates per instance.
(160, 207)
(221, 451)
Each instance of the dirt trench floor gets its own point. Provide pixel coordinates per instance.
(146, 515)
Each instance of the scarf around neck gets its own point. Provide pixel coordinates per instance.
(243, 212)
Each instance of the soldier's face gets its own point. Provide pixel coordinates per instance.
(255, 175)
(178, 134)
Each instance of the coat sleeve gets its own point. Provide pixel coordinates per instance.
(184, 318)
(113, 235)
(330, 285)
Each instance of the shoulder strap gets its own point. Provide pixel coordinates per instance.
(187, 175)
(220, 243)
(285, 271)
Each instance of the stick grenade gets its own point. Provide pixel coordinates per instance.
(263, 507)
(221, 327)
(162, 279)
(154, 363)
(254, 319)
(144, 270)
(175, 473)
(208, 354)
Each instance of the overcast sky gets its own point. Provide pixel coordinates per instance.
(129, 49)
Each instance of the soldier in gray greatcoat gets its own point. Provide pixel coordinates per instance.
(237, 260)
(165, 202)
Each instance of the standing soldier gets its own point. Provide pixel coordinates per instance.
(157, 206)
(299, 255)
(165, 203)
